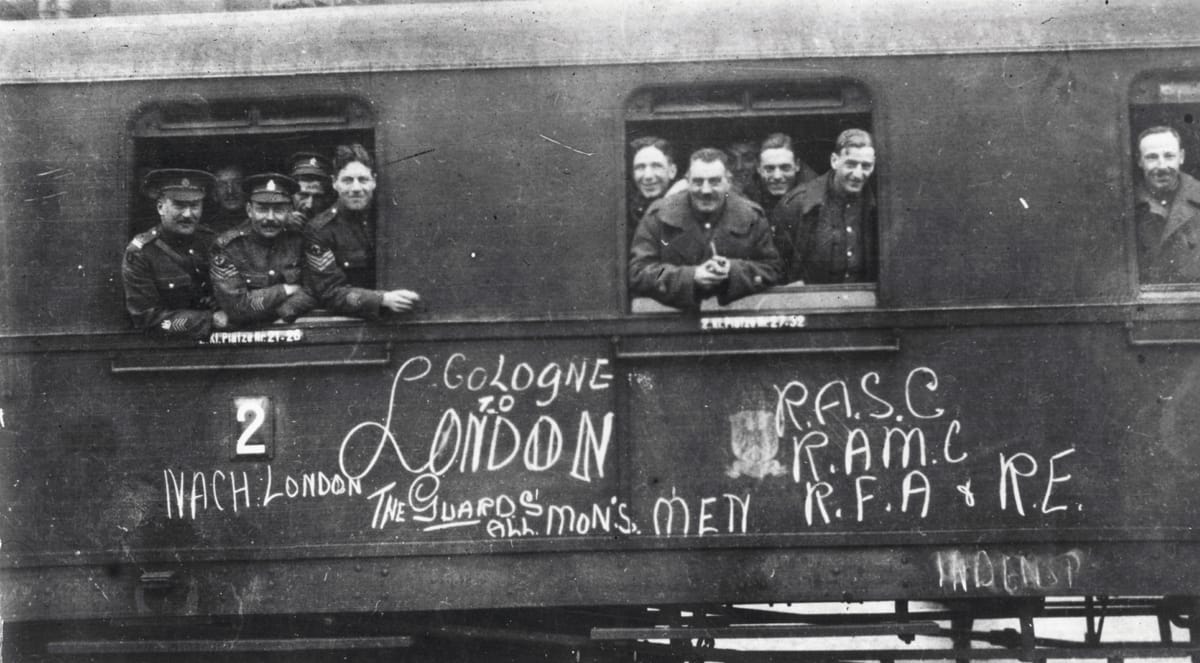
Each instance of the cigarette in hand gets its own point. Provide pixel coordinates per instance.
(716, 256)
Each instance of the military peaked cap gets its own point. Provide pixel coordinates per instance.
(270, 188)
(179, 184)
(310, 164)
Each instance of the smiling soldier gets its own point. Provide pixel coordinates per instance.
(341, 245)
(1168, 211)
(256, 267)
(703, 242)
(825, 228)
(651, 174)
(165, 271)
(779, 170)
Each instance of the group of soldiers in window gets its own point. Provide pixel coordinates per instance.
(274, 247)
(278, 247)
(723, 233)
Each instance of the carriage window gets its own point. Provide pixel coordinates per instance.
(282, 244)
(1165, 149)
(777, 144)
(246, 137)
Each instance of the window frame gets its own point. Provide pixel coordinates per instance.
(751, 102)
(1153, 95)
(347, 119)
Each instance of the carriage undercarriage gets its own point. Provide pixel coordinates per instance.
(1024, 629)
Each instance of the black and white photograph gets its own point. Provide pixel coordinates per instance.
(599, 331)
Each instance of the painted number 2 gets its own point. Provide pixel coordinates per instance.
(253, 424)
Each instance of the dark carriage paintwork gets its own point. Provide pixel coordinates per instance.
(1055, 403)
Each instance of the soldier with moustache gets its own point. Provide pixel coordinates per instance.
(705, 242)
(256, 268)
(165, 271)
(229, 199)
(341, 245)
(312, 173)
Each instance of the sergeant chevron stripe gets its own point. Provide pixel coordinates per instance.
(224, 271)
(320, 262)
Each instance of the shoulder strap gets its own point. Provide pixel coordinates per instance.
(142, 239)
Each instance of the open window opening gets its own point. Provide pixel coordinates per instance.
(254, 136)
(251, 136)
(738, 119)
(237, 138)
(1165, 154)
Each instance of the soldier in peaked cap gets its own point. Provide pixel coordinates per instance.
(256, 267)
(312, 172)
(165, 270)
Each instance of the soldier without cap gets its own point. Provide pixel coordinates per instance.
(779, 171)
(825, 228)
(743, 166)
(652, 173)
(341, 245)
(256, 267)
(165, 271)
(228, 199)
(1167, 208)
(703, 243)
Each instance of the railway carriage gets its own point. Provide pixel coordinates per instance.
(539, 466)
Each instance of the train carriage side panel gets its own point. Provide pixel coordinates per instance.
(476, 456)
(1012, 180)
(529, 443)
(65, 180)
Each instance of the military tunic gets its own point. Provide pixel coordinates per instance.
(1169, 234)
(341, 263)
(824, 236)
(166, 282)
(672, 240)
(249, 273)
(351, 238)
(636, 204)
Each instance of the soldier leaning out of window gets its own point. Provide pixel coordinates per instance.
(703, 242)
(256, 267)
(1167, 210)
(165, 271)
(341, 245)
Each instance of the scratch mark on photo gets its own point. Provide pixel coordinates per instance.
(586, 154)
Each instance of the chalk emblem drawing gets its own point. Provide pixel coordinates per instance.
(755, 445)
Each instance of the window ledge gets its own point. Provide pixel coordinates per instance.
(783, 298)
(1168, 293)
